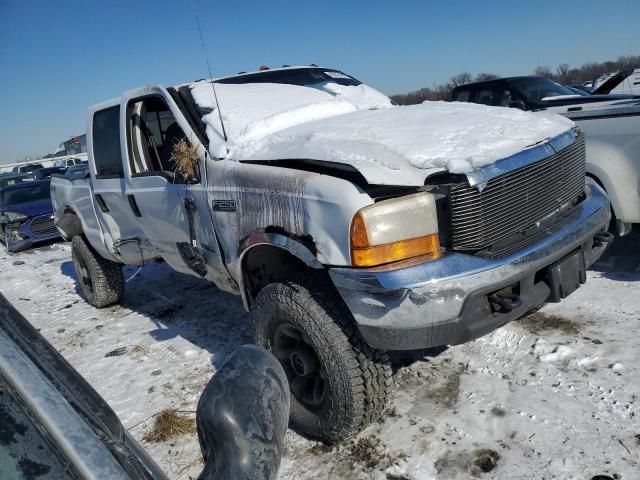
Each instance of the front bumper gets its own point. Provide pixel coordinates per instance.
(445, 301)
(22, 236)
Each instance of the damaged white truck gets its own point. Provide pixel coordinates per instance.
(349, 227)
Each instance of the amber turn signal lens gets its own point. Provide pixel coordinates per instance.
(428, 246)
(359, 236)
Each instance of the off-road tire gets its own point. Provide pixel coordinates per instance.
(359, 377)
(100, 280)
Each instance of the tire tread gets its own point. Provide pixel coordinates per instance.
(107, 277)
(368, 370)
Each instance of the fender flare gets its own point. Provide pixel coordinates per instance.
(277, 240)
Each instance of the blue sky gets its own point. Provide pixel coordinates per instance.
(59, 57)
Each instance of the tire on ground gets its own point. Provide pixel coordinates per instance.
(101, 280)
(358, 377)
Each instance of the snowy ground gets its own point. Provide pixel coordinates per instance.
(551, 397)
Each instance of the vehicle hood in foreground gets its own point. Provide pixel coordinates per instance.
(404, 145)
(31, 209)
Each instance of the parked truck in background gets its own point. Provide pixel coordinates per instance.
(348, 226)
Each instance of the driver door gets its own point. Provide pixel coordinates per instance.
(171, 209)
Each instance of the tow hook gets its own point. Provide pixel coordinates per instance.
(602, 238)
(507, 301)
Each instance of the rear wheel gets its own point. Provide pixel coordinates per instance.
(101, 280)
(338, 383)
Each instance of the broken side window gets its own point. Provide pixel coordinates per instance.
(157, 142)
(106, 143)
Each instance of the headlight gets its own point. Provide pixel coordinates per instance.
(395, 229)
(12, 217)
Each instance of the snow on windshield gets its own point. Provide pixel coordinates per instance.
(253, 111)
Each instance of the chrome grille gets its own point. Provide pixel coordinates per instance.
(516, 200)
(43, 225)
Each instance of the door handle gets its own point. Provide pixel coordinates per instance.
(101, 203)
(134, 205)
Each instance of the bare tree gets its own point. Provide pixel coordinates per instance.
(461, 79)
(482, 77)
(562, 74)
(542, 71)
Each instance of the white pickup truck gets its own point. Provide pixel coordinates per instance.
(349, 227)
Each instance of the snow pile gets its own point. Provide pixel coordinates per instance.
(355, 125)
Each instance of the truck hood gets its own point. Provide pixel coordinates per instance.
(404, 145)
(359, 126)
(31, 209)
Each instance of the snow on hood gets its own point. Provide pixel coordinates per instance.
(358, 126)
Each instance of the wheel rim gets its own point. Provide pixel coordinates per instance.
(307, 378)
(83, 271)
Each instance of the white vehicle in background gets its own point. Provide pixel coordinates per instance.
(626, 82)
(68, 162)
(611, 126)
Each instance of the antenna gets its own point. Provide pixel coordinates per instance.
(206, 56)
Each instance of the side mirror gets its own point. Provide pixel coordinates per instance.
(242, 417)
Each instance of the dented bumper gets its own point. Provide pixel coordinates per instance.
(37, 229)
(448, 301)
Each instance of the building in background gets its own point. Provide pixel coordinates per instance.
(76, 145)
(73, 146)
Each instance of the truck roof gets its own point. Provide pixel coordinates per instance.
(264, 72)
(493, 81)
(116, 100)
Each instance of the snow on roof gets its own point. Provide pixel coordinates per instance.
(357, 125)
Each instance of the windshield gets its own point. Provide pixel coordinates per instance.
(30, 168)
(25, 193)
(537, 89)
(26, 450)
(304, 77)
(255, 106)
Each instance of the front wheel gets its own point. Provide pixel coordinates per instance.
(338, 383)
(101, 280)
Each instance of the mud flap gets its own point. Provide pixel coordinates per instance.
(242, 417)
